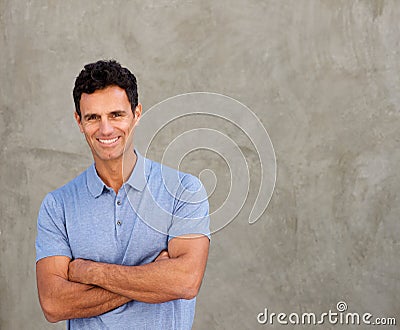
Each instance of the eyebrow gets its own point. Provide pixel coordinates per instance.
(117, 112)
(87, 116)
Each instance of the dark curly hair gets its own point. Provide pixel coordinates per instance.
(102, 74)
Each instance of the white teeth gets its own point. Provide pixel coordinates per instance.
(108, 141)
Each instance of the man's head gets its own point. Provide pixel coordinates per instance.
(107, 109)
(102, 74)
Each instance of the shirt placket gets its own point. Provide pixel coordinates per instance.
(118, 218)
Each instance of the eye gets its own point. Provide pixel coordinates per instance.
(92, 117)
(116, 114)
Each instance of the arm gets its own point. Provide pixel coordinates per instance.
(176, 277)
(61, 299)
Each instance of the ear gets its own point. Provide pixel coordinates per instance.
(78, 120)
(138, 113)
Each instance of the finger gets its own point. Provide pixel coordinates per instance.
(163, 255)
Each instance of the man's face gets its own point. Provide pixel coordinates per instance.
(107, 121)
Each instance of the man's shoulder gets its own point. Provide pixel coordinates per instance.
(56, 200)
(74, 186)
(168, 176)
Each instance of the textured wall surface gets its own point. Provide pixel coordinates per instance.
(322, 76)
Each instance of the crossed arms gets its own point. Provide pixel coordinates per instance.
(83, 288)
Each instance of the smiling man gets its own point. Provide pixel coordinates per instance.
(120, 247)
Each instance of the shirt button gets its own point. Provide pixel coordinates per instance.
(118, 202)
(119, 223)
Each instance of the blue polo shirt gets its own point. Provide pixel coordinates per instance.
(86, 219)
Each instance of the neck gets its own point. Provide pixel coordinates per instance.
(115, 172)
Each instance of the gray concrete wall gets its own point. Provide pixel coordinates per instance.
(322, 76)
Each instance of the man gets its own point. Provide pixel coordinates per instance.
(124, 245)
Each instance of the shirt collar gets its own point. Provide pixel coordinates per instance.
(137, 179)
(94, 183)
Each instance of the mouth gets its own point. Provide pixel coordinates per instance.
(108, 141)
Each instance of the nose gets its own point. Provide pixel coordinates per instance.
(105, 127)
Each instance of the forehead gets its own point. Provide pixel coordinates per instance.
(108, 99)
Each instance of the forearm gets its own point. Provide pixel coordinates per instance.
(177, 276)
(70, 300)
(153, 283)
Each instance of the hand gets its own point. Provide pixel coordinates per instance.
(162, 256)
(79, 271)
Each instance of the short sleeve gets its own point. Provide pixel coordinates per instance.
(191, 211)
(52, 238)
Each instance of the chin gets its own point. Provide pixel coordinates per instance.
(107, 157)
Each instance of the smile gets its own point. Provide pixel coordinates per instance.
(108, 141)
